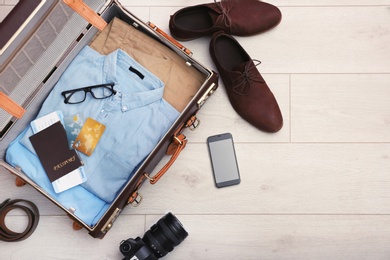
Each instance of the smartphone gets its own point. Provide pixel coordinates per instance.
(223, 160)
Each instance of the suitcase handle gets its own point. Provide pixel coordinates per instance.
(87, 13)
(169, 38)
(11, 106)
(178, 144)
(175, 147)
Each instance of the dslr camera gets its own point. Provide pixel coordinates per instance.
(158, 241)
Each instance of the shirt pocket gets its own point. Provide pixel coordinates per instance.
(109, 175)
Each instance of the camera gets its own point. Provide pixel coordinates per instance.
(158, 241)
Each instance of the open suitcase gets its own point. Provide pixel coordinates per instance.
(32, 62)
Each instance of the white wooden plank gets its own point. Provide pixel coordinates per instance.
(277, 179)
(325, 40)
(282, 237)
(4, 10)
(55, 239)
(328, 2)
(221, 237)
(11, 2)
(340, 108)
(346, 43)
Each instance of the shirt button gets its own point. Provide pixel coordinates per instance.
(124, 108)
(102, 111)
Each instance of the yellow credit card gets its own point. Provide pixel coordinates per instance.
(89, 136)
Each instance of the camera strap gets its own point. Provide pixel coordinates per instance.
(32, 213)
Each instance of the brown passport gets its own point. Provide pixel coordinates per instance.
(52, 148)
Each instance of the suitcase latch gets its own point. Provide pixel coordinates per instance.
(111, 221)
(193, 123)
(135, 199)
(206, 95)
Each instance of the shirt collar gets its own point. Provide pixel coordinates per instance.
(148, 90)
(139, 99)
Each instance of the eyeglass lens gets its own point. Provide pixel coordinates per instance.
(98, 92)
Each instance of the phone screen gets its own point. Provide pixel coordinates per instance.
(223, 160)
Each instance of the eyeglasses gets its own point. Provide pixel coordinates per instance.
(78, 95)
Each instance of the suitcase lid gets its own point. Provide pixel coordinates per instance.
(37, 33)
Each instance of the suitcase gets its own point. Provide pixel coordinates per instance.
(28, 73)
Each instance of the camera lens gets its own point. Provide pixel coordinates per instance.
(163, 236)
(125, 247)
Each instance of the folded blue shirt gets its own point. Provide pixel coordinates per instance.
(136, 118)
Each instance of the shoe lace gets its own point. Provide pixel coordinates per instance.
(248, 76)
(225, 9)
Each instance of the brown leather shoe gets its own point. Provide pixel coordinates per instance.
(247, 91)
(237, 17)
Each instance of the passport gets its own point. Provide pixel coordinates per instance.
(52, 148)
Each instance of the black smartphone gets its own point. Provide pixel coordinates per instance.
(223, 160)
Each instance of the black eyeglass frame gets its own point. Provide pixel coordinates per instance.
(109, 86)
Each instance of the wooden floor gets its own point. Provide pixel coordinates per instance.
(318, 189)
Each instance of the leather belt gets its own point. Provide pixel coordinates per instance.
(32, 214)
